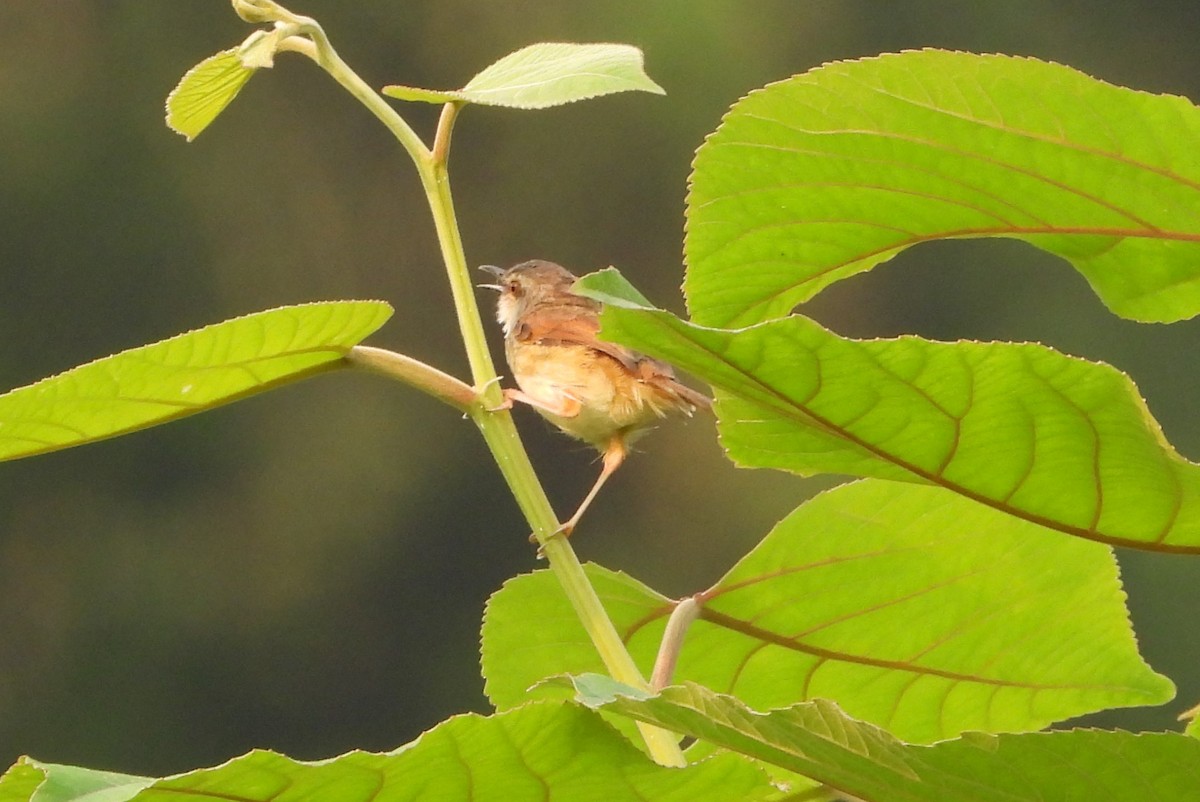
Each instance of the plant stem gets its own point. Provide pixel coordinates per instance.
(501, 436)
(441, 144)
(685, 612)
(435, 178)
(340, 71)
(496, 425)
(414, 373)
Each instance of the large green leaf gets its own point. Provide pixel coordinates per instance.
(1056, 440)
(544, 75)
(924, 613)
(540, 752)
(912, 607)
(182, 375)
(818, 740)
(827, 174)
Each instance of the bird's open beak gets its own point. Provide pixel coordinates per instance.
(495, 271)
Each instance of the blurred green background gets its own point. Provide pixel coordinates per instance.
(306, 570)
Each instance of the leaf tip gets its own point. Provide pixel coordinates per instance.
(609, 287)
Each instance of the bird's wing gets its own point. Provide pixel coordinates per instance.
(567, 326)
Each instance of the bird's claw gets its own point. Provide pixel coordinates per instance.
(564, 530)
(506, 403)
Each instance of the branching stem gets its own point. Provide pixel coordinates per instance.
(496, 425)
(687, 611)
(441, 142)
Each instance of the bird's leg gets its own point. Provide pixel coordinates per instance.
(614, 455)
(565, 406)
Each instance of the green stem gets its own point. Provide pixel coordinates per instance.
(414, 373)
(325, 56)
(501, 436)
(496, 425)
(685, 612)
(435, 178)
(441, 144)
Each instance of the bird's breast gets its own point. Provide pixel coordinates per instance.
(610, 398)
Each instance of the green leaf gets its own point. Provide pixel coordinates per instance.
(531, 632)
(21, 781)
(924, 613)
(827, 174)
(204, 92)
(912, 607)
(818, 740)
(182, 375)
(543, 751)
(73, 783)
(608, 286)
(1056, 440)
(544, 75)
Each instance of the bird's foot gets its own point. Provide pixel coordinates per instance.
(564, 530)
(506, 401)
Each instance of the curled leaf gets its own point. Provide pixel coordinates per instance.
(820, 741)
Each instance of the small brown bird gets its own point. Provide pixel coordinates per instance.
(602, 393)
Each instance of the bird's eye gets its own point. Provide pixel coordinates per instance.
(515, 288)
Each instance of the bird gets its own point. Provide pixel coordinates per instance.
(602, 393)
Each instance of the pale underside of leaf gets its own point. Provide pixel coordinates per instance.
(544, 751)
(182, 375)
(912, 607)
(818, 740)
(204, 92)
(825, 175)
(544, 75)
(1056, 440)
